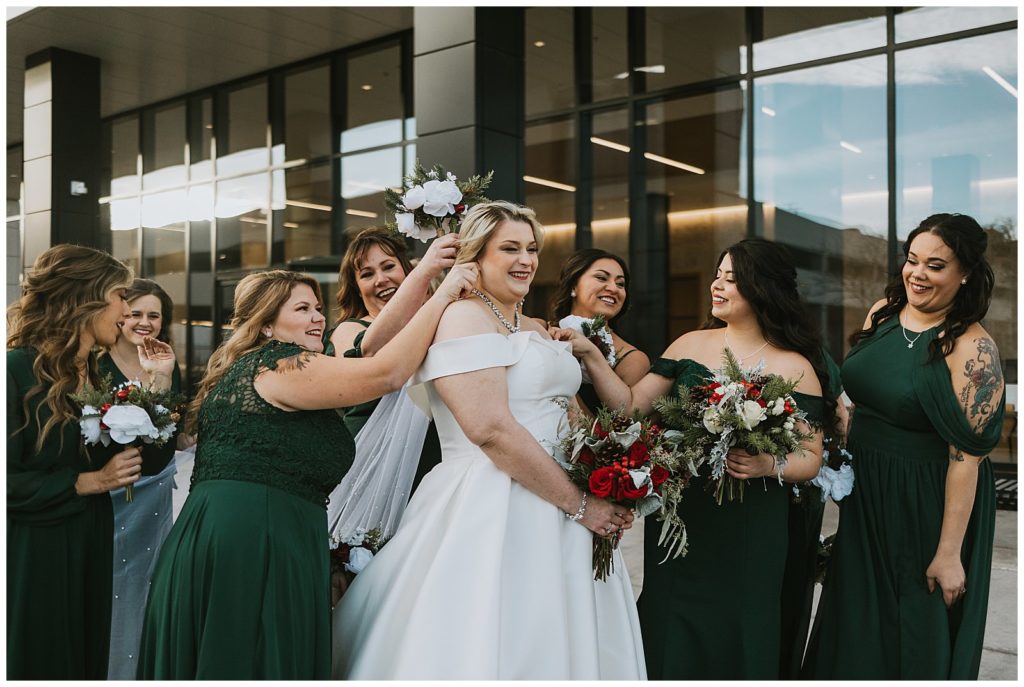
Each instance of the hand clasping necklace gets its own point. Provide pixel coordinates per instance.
(514, 328)
(744, 357)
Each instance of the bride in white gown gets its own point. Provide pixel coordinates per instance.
(489, 574)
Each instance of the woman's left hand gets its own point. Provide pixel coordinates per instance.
(157, 360)
(947, 572)
(741, 465)
(581, 345)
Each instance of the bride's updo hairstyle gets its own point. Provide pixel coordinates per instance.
(259, 298)
(484, 218)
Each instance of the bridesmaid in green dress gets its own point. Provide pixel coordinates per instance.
(378, 293)
(59, 521)
(907, 591)
(717, 612)
(241, 588)
(141, 526)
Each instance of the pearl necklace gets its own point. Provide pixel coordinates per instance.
(514, 328)
(740, 358)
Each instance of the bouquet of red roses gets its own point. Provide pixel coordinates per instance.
(634, 463)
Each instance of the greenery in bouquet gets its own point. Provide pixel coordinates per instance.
(632, 462)
(127, 414)
(597, 331)
(433, 202)
(738, 407)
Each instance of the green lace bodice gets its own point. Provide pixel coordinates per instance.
(242, 437)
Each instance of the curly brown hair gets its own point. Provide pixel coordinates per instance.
(63, 293)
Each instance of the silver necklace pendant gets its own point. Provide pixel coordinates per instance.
(514, 328)
(910, 342)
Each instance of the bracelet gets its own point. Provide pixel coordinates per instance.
(579, 513)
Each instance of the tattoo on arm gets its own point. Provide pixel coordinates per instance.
(298, 361)
(956, 455)
(984, 378)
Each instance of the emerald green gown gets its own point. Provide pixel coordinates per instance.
(876, 619)
(716, 613)
(59, 544)
(242, 588)
(357, 415)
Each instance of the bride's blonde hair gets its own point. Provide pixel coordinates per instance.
(483, 219)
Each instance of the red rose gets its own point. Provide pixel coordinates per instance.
(761, 402)
(104, 408)
(659, 475)
(602, 481)
(638, 454)
(122, 394)
(586, 456)
(629, 491)
(599, 431)
(713, 385)
(460, 208)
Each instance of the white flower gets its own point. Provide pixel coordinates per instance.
(432, 174)
(640, 477)
(167, 431)
(414, 198)
(789, 424)
(407, 225)
(358, 557)
(451, 177)
(90, 425)
(713, 421)
(836, 484)
(128, 423)
(778, 406)
(441, 197)
(751, 413)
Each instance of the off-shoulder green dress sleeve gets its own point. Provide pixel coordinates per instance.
(241, 589)
(59, 544)
(876, 619)
(715, 614)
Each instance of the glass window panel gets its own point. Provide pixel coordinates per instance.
(695, 164)
(551, 191)
(123, 220)
(820, 164)
(923, 22)
(956, 151)
(800, 34)
(307, 215)
(242, 228)
(14, 182)
(200, 313)
(685, 45)
(374, 97)
(201, 139)
(364, 177)
(246, 146)
(307, 117)
(124, 156)
(609, 224)
(610, 64)
(163, 160)
(550, 76)
(163, 259)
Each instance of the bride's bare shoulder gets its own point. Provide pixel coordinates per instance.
(465, 318)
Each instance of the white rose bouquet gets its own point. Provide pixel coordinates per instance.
(597, 331)
(738, 407)
(127, 414)
(433, 202)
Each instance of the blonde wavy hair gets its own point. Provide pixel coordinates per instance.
(62, 295)
(258, 300)
(483, 219)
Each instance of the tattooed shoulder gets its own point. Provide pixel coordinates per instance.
(299, 361)
(982, 382)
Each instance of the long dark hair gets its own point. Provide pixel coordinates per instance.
(968, 241)
(148, 287)
(766, 277)
(574, 268)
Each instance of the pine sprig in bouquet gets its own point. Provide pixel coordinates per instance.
(597, 331)
(433, 202)
(738, 407)
(128, 414)
(632, 462)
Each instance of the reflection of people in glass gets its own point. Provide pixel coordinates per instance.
(907, 590)
(595, 282)
(140, 526)
(716, 613)
(241, 588)
(60, 526)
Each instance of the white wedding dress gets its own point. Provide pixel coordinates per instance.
(483, 579)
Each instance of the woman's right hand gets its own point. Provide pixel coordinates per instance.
(604, 518)
(123, 469)
(459, 282)
(581, 345)
(439, 257)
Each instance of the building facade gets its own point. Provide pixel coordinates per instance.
(212, 142)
